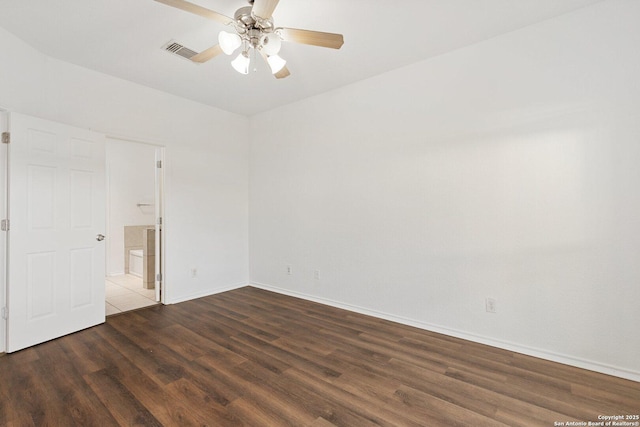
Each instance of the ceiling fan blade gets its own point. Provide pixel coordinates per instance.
(316, 38)
(282, 73)
(264, 8)
(198, 10)
(207, 54)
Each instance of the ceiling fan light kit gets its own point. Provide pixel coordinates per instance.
(271, 44)
(255, 32)
(276, 63)
(229, 42)
(241, 63)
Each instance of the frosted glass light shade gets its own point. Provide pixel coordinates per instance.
(276, 63)
(241, 63)
(271, 44)
(229, 42)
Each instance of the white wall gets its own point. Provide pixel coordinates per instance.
(130, 181)
(206, 173)
(508, 169)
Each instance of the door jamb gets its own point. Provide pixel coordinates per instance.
(5, 126)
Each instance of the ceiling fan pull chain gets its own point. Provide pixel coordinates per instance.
(255, 68)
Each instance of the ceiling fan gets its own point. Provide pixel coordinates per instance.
(255, 31)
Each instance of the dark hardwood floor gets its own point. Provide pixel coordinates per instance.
(255, 358)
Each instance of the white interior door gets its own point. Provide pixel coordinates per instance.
(57, 212)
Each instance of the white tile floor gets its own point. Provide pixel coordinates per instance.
(125, 292)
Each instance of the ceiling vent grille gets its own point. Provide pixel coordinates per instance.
(178, 49)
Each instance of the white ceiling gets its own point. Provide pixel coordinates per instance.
(124, 38)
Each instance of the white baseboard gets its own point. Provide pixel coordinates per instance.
(517, 348)
(117, 273)
(206, 293)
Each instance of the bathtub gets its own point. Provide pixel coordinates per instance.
(136, 262)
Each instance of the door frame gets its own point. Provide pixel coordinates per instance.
(160, 224)
(159, 206)
(5, 126)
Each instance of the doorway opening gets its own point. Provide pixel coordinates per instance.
(134, 225)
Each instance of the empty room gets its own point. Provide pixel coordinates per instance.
(320, 213)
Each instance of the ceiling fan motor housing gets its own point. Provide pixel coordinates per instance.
(253, 30)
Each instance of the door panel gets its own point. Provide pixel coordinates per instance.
(40, 285)
(56, 209)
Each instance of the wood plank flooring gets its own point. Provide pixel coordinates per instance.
(254, 358)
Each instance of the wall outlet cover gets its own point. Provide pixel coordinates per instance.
(491, 305)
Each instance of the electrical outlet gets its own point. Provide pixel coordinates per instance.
(289, 270)
(491, 305)
(194, 272)
(316, 274)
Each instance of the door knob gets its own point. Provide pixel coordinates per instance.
(100, 237)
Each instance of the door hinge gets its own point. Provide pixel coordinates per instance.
(5, 313)
(159, 221)
(4, 225)
(159, 277)
(159, 164)
(6, 137)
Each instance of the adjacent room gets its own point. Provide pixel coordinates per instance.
(322, 213)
